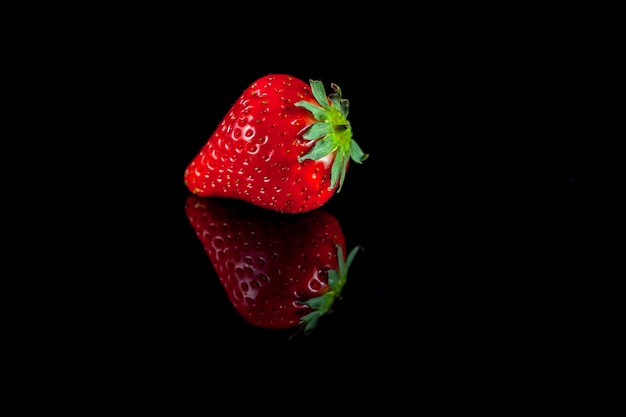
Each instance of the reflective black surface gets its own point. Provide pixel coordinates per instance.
(475, 209)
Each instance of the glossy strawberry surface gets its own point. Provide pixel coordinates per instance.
(284, 145)
(277, 271)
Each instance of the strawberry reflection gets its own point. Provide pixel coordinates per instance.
(279, 270)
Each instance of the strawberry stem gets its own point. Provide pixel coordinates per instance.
(331, 132)
(336, 280)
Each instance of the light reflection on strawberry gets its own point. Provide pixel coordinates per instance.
(279, 270)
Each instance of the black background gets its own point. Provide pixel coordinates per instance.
(478, 209)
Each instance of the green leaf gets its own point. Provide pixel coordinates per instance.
(318, 130)
(356, 153)
(333, 279)
(310, 321)
(320, 149)
(318, 113)
(321, 301)
(349, 259)
(317, 88)
(337, 171)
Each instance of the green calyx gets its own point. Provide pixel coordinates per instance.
(336, 280)
(331, 132)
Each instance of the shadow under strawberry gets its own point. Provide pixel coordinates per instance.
(279, 271)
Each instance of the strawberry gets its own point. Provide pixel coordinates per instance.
(284, 145)
(279, 272)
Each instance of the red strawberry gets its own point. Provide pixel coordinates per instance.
(278, 271)
(283, 145)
